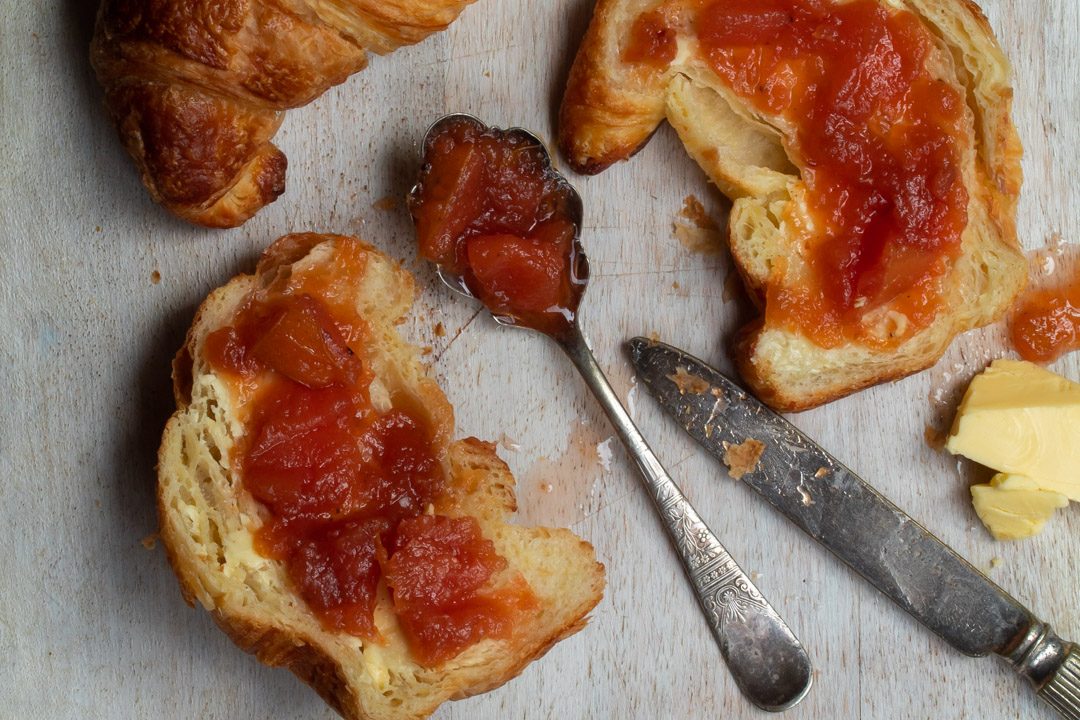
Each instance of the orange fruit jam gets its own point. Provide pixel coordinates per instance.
(346, 487)
(490, 210)
(878, 137)
(1046, 322)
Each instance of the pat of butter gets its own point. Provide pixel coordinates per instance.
(1022, 420)
(1014, 506)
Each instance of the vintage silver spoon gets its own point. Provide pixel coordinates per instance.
(767, 661)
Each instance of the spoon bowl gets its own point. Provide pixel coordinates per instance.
(766, 660)
(572, 210)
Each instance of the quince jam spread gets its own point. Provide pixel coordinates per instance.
(349, 488)
(490, 211)
(1046, 322)
(878, 137)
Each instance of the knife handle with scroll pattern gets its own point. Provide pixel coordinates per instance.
(767, 661)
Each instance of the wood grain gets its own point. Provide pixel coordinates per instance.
(92, 624)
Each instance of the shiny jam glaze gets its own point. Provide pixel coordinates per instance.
(1046, 322)
(489, 210)
(346, 486)
(879, 140)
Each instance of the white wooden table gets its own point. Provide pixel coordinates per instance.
(92, 624)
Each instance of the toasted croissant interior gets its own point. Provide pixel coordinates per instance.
(208, 517)
(611, 107)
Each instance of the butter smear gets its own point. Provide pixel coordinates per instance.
(1024, 422)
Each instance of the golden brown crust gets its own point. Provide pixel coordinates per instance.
(200, 508)
(198, 88)
(611, 108)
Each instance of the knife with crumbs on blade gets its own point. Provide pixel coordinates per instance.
(859, 525)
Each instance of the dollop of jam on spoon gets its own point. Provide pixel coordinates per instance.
(501, 223)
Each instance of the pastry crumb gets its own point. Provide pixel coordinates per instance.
(155, 277)
(150, 541)
(934, 437)
(995, 562)
(439, 330)
(386, 203)
(695, 229)
(688, 383)
(743, 458)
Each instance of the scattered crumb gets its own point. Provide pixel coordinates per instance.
(507, 442)
(97, 229)
(688, 383)
(694, 211)
(150, 541)
(387, 203)
(995, 562)
(547, 487)
(487, 73)
(695, 229)
(821, 472)
(743, 458)
(675, 285)
(654, 337)
(439, 330)
(426, 350)
(934, 437)
(155, 277)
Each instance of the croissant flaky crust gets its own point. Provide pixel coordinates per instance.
(197, 88)
(208, 518)
(611, 108)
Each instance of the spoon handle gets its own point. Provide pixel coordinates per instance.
(768, 662)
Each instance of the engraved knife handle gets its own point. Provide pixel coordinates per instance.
(1052, 666)
(767, 661)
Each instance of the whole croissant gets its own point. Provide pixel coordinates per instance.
(197, 88)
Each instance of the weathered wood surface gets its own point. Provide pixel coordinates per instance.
(92, 624)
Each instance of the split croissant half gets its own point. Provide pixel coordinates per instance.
(612, 106)
(198, 88)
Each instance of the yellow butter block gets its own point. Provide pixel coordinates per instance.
(1020, 419)
(1014, 506)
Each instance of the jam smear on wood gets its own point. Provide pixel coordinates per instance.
(1046, 322)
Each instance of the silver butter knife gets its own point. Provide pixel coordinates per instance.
(860, 526)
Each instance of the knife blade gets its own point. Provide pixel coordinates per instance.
(855, 522)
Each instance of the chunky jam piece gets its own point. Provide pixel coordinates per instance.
(490, 210)
(437, 572)
(879, 139)
(1046, 322)
(347, 487)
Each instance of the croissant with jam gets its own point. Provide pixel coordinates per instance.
(868, 150)
(312, 498)
(198, 89)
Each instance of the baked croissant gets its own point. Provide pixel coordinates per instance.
(869, 152)
(198, 88)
